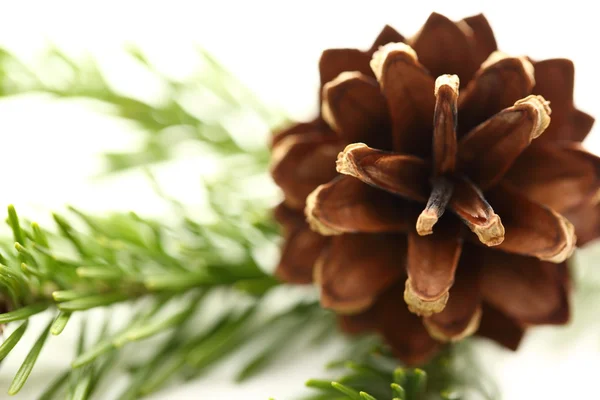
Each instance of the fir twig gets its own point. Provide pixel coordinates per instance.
(374, 374)
(164, 269)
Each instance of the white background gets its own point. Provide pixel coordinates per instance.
(273, 47)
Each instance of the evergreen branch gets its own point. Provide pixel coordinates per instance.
(86, 80)
(75, 286)
(164, 270)
(12, 340)
(373, 374)
(25, 369)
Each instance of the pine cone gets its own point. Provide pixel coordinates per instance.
(477, 141)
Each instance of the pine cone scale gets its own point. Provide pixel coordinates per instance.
(333, 62)
(535, 175)
(355, 108)
(402, 329)
(407, 86)
(577, 127)
(403, 175)
(301, 249)
(498, 85)
(531, 229)
(445, 119)
(310, 157)
(462, 315)
(500, 328)
(431, 265)
(555, 81)
(443, 48)
(471, 206)
(387, 35)
(586, 219)
(482, 36)
(346, 205)
(488, 151)
(530, 290)
(358, 269)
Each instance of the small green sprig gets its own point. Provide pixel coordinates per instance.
(372, 373)
(74, 273)
(165, 270)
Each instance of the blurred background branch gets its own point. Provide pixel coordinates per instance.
(223, 101)
(165, 272)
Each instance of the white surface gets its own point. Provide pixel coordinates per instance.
(274, 48)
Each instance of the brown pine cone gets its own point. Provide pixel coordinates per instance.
(368, 182)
